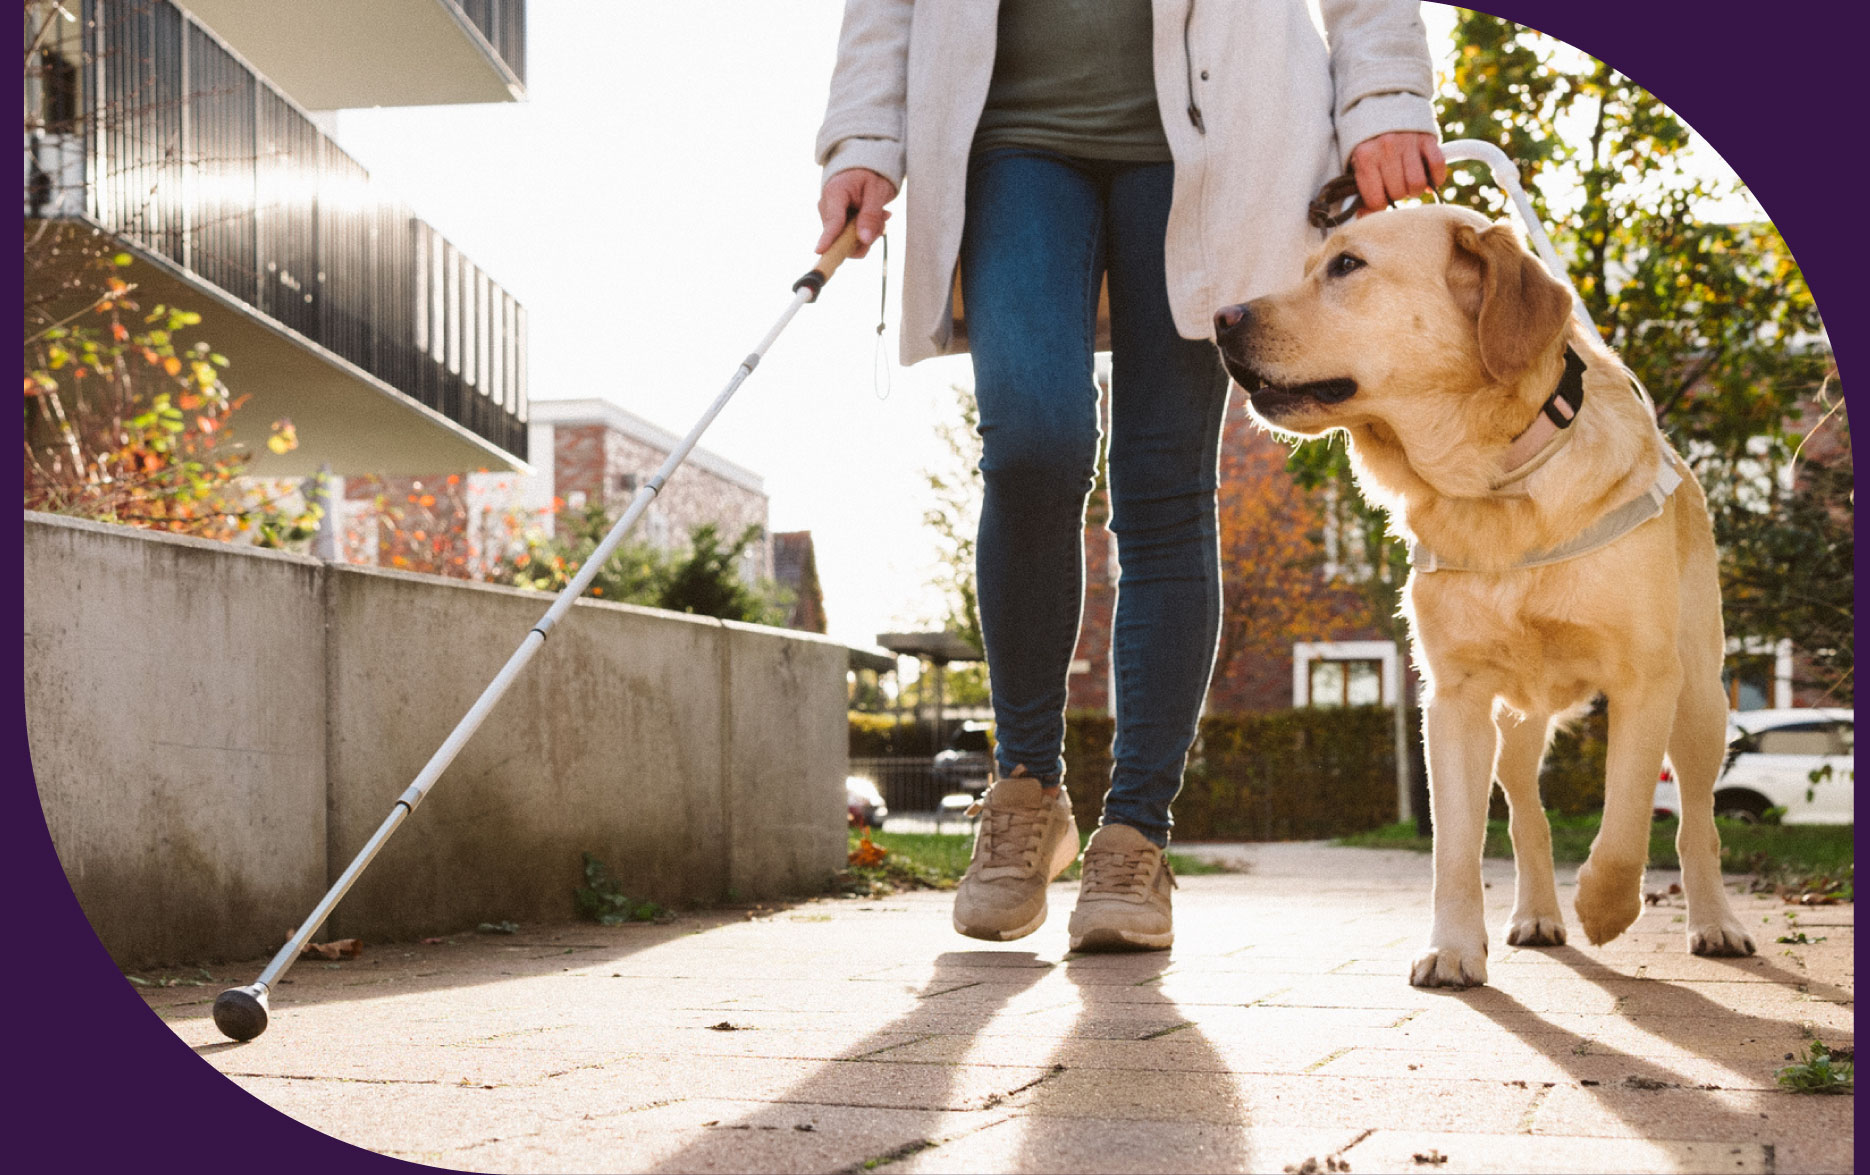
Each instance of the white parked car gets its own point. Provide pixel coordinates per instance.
(1799, 760)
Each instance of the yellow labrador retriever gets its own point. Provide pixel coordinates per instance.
(1561, 549)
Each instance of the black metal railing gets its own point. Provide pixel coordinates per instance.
(908, 784)
(179, 148)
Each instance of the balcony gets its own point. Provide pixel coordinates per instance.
(390, 351)
(341, 53)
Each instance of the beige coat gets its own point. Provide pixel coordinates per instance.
(1279, 113)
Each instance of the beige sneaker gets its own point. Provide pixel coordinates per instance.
(1026, 838)
(1123, 904)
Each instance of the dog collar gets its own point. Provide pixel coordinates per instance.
(1532, 448)
(1601, 533)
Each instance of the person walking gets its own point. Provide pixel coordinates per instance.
(1157, 157)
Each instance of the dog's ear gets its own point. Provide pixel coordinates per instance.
(1518, 308)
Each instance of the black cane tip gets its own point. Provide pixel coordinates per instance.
(240, 1012)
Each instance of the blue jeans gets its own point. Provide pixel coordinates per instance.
(1042, 230)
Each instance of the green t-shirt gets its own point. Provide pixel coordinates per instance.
(1075, 76)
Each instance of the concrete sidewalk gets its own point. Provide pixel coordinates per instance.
(841, 1035)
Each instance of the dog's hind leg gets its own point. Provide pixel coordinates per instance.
(1537, 920)
(1695, 749)
(1610, 883)
(1455, 729)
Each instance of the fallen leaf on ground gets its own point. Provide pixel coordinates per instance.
(343, 948)
(868, 853)
(432, 942)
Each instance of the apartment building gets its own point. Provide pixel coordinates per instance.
(192, 135)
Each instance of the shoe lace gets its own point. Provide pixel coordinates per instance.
(1012, 836)
(1119, 873)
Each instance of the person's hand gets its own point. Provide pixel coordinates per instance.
(857, 190)
(1395, 166)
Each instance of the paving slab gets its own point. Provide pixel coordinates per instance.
(846, 1035)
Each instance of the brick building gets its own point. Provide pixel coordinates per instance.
(581, 451)
(589, 450)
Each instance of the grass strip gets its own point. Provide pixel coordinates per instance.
(1787, 852)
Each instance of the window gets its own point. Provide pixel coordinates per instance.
(1757, 674)
(1805, 738)
(1344, 673)
(1346, 683)
(1749, 681)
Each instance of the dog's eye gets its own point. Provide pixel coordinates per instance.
(1342, 264)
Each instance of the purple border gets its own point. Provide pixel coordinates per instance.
(107, 1084)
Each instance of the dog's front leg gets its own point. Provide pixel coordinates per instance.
(1610, 882)
(1537, 920)
(1459, 737)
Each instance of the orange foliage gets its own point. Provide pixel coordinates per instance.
(1272, 561)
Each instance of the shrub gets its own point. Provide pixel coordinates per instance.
(1307, 773)
(126, 423)
(1283, 775)
(870, 735)
(703, 580)
(876, 736)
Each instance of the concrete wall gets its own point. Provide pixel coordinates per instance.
(175, 709)
(216, 731)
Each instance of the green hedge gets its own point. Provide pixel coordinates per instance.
(1306, 774)
(1300, 774)
(877, 735)
(870, 735)
(1572, 778)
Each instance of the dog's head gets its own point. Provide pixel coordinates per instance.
(1407, 320)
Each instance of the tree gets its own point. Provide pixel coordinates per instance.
(1714, 317)
(705, 580)
(1787, 560)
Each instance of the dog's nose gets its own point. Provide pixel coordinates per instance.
(1229, 318)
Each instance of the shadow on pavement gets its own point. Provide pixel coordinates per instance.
(451, 961)
(981, 1000)
(1689, 1015)
(1139, 1147)
(1774, 973)
(1689, 1022)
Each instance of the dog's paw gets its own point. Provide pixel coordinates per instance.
(1723, 938)
(1610, 899)
(1536, 931)
(1448, 966)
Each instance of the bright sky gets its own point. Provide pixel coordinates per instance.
(651, 204)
